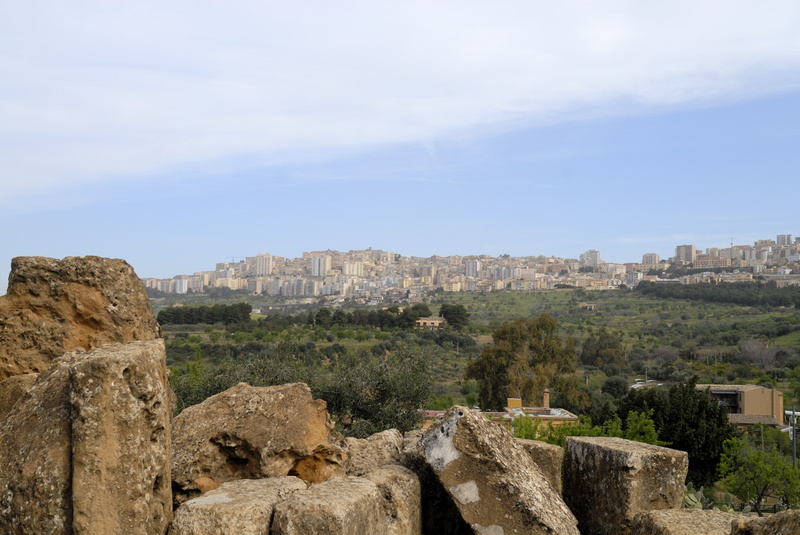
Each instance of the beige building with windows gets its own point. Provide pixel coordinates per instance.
(745, 403)
(431, 322)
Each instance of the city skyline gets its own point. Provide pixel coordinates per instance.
(590, 257)
(176, 136)
(372, 274)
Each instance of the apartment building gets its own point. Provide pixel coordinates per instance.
(590, 258)
(472, 268)
(685, 253)
(706, 261)
(320, 265)
(651, 258)
(748, 404)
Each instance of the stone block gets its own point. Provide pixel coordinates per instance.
(339, 506)
(401, 498)
(548, 457)
(250, 432)
(36, 457)
(494, 482)
(439, 514)
(784, 523)
(683, 522)
(86, 448)
(242, 507)
(365, 454)
(607, 481)
(120, 440)
(56, 306)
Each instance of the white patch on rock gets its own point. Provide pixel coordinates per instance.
(211, 499)
(466, 492)
(438, 445)
(488, 530)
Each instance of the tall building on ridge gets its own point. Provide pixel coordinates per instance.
(472, 268)
(263, 265)
(784, 239)
(686, 253)
(320, 265)
(651, 258)
(590, 258)
(354, 269)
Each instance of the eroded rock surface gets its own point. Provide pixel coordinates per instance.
(607, 481)
(439, 514)
(120, 440)
(683, 522)
(250, 432)
(784, 523)
(548, 457)
(493, 481)
(339, 506)
(243, 507)
(55, 306)
(12, 390)
(401, 499)
(87, 446)
(35, 457)
(365, 454)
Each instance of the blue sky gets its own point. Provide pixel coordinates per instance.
(178, 135)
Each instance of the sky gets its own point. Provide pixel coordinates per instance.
(176, 135)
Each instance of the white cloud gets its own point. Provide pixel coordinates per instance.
(113, 91)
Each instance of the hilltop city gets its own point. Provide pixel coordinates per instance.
(371, 274)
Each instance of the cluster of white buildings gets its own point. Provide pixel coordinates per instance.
(371, 273)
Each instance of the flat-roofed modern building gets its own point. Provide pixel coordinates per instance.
(745, 401)
(685, 253)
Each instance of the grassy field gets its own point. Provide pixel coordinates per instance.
(788, 340)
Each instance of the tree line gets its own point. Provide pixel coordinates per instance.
(387, 318)
(740, 293)
(204, 314)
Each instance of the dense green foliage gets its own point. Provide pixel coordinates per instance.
(740, 293)
(689, 420)
(638, 426)
(754, 474)
(225, 314)
(525, 357)
(456, 315)
(365, 393)
(602, 349)
(385, 318)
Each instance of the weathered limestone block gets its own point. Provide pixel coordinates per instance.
(439, 514)
(87, 446)
(683, 522)
(494, 482)
(784, 523)
(35, 457)
(401, 498)
(55, 306)
(12, 390)
(339, 506)
(250, 432)
(607, 481)
(365, 454)
(548, 457)
(120, 440)
(242, 507)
